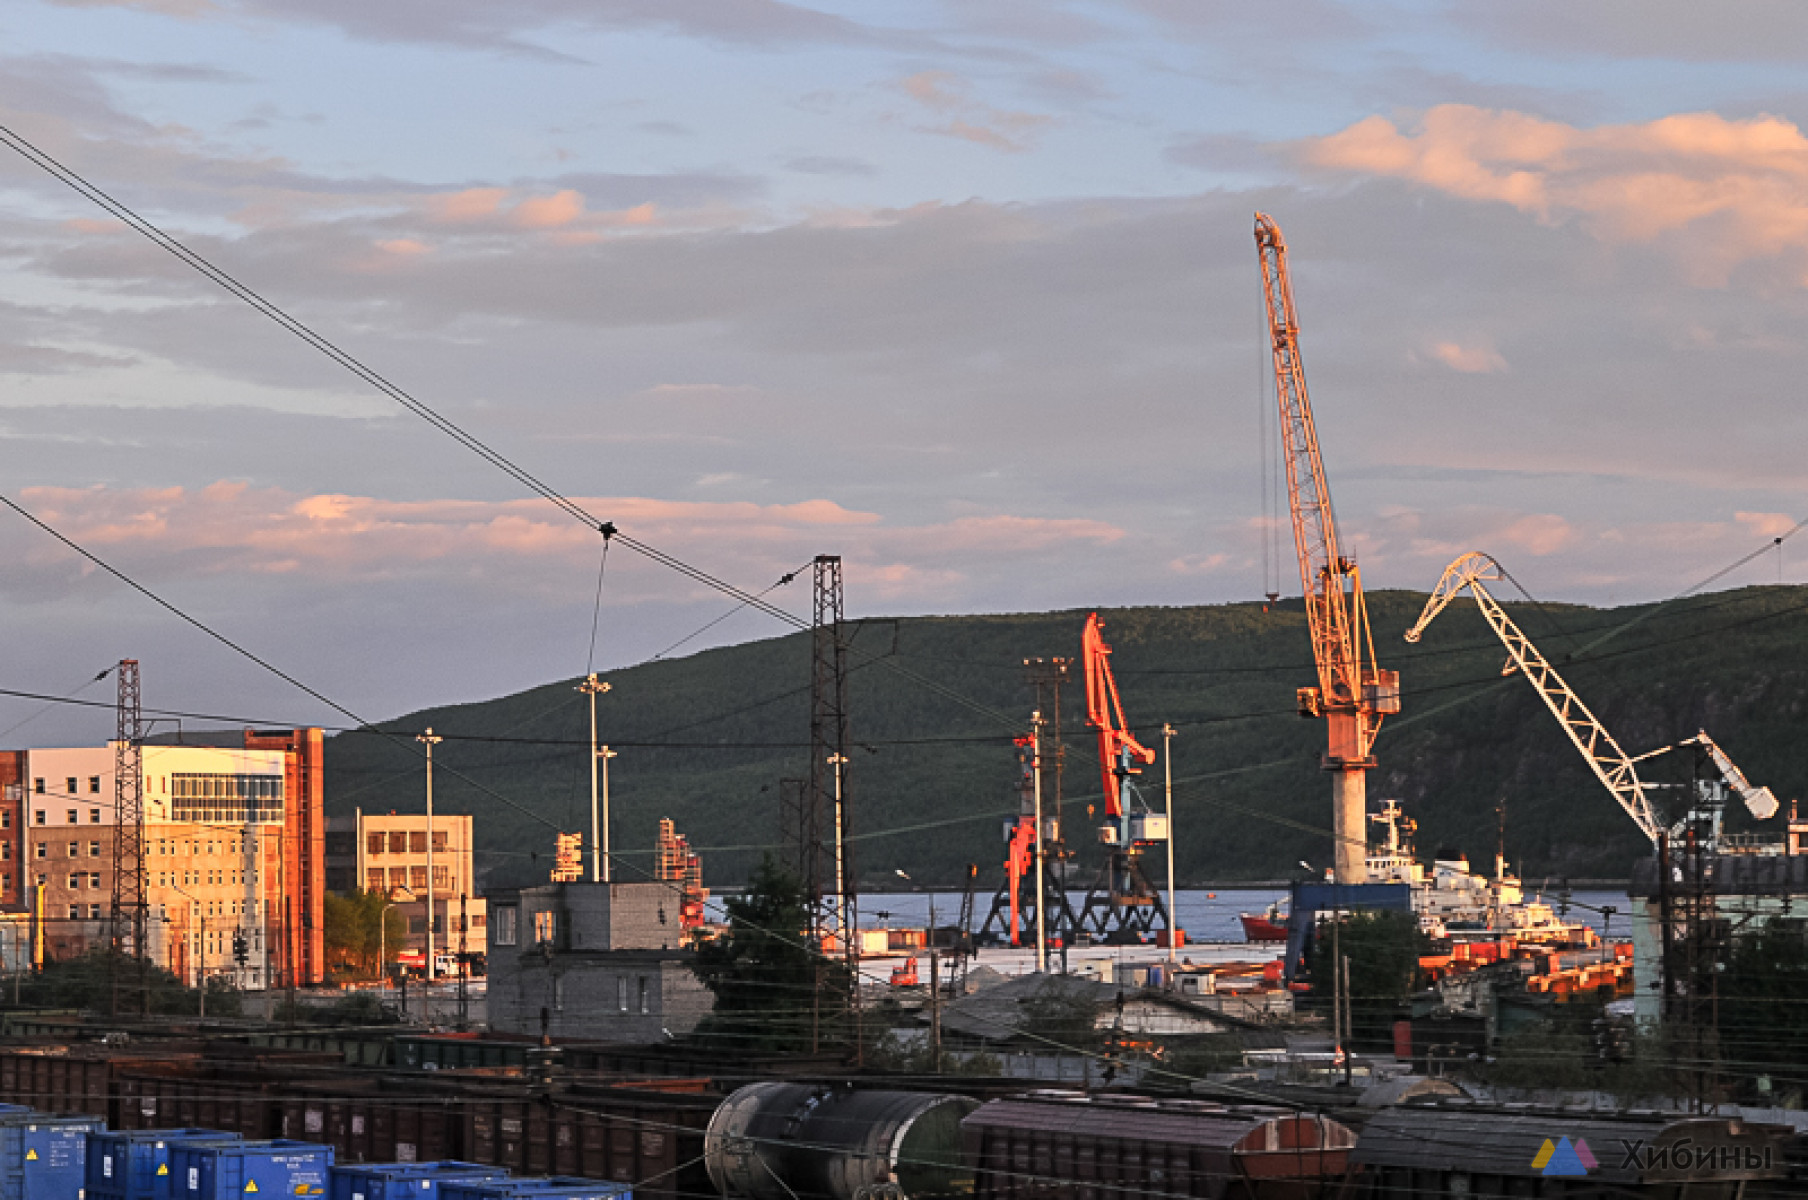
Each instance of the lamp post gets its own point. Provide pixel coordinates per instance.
(599, 855)
(1041, 887)
(383, 936)
(200, 946)
(431, 741)
(935, 981)
(1167, 762)
(605, 754)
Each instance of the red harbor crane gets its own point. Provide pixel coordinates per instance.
(1353, 694)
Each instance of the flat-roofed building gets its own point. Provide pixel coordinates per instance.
(387, 853)
(233, 856)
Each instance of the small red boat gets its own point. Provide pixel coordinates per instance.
(1269, 927)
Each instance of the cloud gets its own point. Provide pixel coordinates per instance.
(946, 94)
(1717, 192)
(1675, 30)
(1470, 360)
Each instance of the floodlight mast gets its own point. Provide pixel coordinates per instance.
(1610, 764)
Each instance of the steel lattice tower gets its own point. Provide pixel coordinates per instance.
(128, 915)
(828, 869)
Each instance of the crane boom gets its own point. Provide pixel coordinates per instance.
(1610, 764)
(1353, 694)
(1761, 802)
(1118, 747)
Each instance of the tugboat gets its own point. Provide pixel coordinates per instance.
(1451, 901)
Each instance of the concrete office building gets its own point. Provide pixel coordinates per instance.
(387, 853)
(603, 960)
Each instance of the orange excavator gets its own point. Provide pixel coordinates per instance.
(1123, 906)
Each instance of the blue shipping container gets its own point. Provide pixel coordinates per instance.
(559, 1187)
(43, 1157)
(406, 1181)
(134, 1164)
(232, 1172)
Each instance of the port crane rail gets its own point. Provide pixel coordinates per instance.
(1353, 694)
(1610, 763)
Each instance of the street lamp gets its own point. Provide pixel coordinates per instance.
(200, 944)
(1167, 762)
(935, 979)
(431, 741)
(605, 754)
(599, 859)
(383, 933)
(1041, 886)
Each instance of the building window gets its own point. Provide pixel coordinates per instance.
(5, 847)
(6, 818)
(621, 993)
(75, 849)
(75, 882)
(398, 842)
(93, 849)
(215, 797)
(37, 785)
(373, 843)
(75, 912)
(558, 992)
(373, 879)
(40, 811)
(43, 849)
(417, 878)
(442, 877)
(417, 924)
(94, 912)
(417, 842)
(94, 784)
(94, 881)
(93, 816)
(476, 921)
(398, 878)
(439, 841)
(71, 782)
(504, 930)
(546, 926)
(73, 819)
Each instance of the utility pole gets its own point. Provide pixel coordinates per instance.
(1167, 762)
(430, 740)
(605, 754)
(464, 962)
(1041, 886)
(599, 859)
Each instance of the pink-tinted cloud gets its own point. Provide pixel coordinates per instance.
(231, 528)
(1474, 359)
(970, 120)
(1719, 192)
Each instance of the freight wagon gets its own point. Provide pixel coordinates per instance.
(1068, 1146)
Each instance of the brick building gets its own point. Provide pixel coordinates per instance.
(234, 853)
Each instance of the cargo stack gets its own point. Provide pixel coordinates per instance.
(407, 1181)
(135, 1164)
(42, 1156)
(553, 1187)
(234, 1171)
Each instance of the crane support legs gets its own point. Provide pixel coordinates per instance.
(1349, 820)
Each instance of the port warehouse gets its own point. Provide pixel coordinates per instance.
(654, 1132)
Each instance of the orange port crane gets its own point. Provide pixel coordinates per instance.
(1128, 906)
(1353, 694)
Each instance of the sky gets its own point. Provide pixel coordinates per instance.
(965, 293)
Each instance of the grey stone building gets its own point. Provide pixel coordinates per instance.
(602, 960)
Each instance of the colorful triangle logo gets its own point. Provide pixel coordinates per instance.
(1543, 1157)
(1564, 1160)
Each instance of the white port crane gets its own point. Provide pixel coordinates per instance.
(1761, 802)
(1610, 764)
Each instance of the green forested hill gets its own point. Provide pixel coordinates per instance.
(705, 739)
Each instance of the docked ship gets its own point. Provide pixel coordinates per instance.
(1451, 901)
